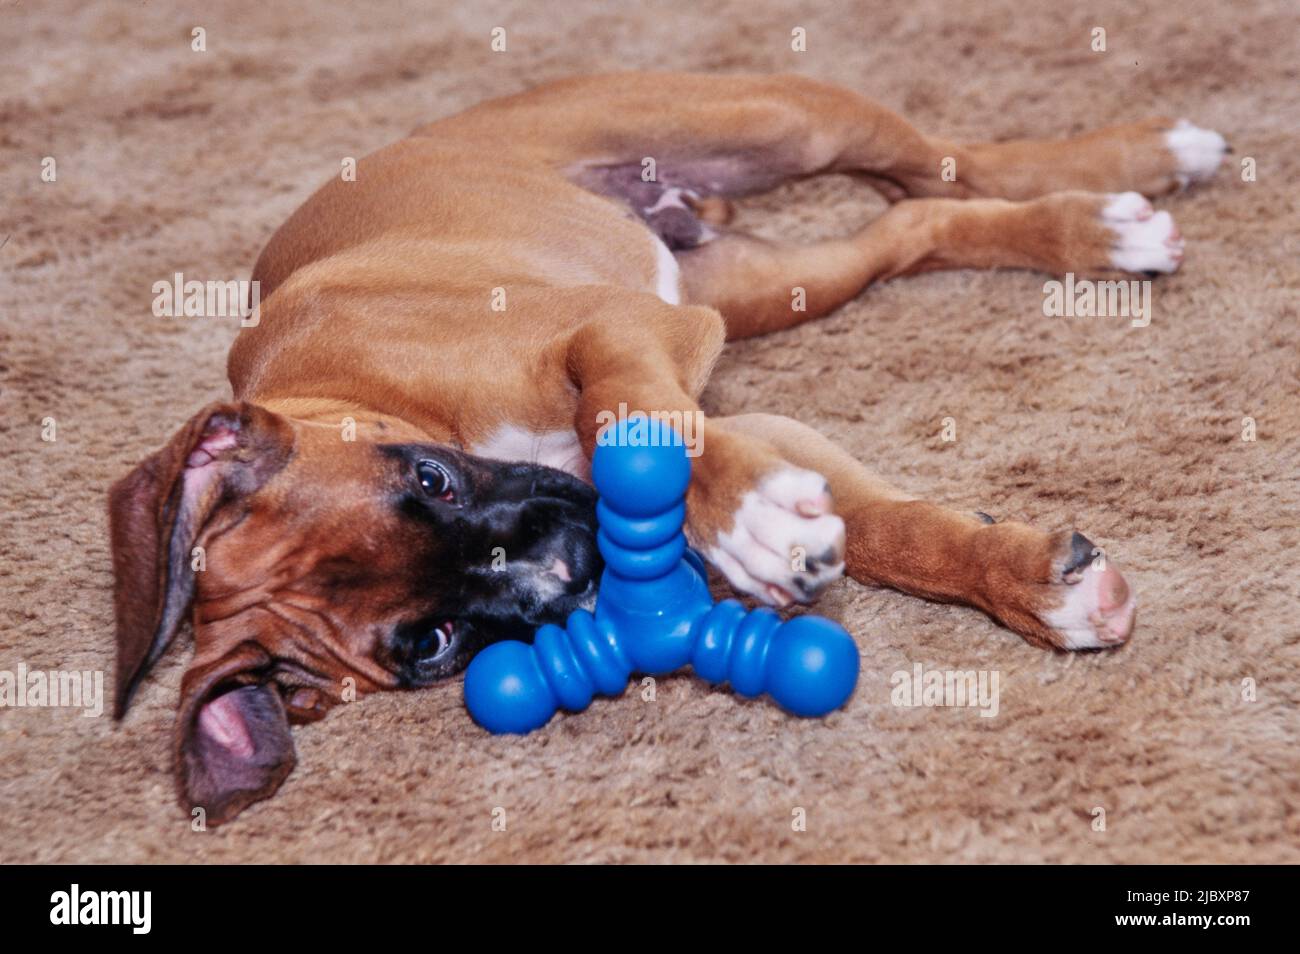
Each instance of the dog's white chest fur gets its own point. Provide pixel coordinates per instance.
(668, 275)
(558, 449)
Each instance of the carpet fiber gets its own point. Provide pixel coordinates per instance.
(171, 160)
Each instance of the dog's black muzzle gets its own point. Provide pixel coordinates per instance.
(511, 545)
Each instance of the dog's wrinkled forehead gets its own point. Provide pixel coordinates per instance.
(347, 498)
(325, 551)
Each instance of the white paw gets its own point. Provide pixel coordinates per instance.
(1145, 240)
(1097, 612)
(1197, 151)
(785, 544)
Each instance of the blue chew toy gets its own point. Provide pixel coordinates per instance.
(654, 613)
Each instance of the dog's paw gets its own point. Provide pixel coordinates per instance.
(1057, 590)
(785, 543)
(1154, 156)
(1144, 240)
(1197, 152)
(1096, 606)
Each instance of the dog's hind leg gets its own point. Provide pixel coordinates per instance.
(655, 139)
(707, 135)
(761, 286)
(1152, 157)
(1055, 589)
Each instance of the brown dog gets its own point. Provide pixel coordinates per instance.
(484, 295)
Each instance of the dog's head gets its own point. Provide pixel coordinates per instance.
(314, 567)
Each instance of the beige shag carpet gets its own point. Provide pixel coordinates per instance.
(173, 160)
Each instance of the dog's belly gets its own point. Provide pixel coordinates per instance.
(559, 449)
(420, 206)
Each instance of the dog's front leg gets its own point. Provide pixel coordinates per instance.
(1055, 588)
(767, 525)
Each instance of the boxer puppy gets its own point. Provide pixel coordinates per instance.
(400, 477)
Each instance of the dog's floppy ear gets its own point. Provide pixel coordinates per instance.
(155, 515)
(232, 740)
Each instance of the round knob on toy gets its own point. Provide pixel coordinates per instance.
(640, 467)
(514, 687)
(808, 664)
(641, 471)
(812, 666)
(505, 690)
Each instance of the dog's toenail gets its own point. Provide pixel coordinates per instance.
(984, 518)
(814, 506)
(779, 596)
(1081, 554)
(807, 587)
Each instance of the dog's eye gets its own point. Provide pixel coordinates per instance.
(435, 480)
(434, 641)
